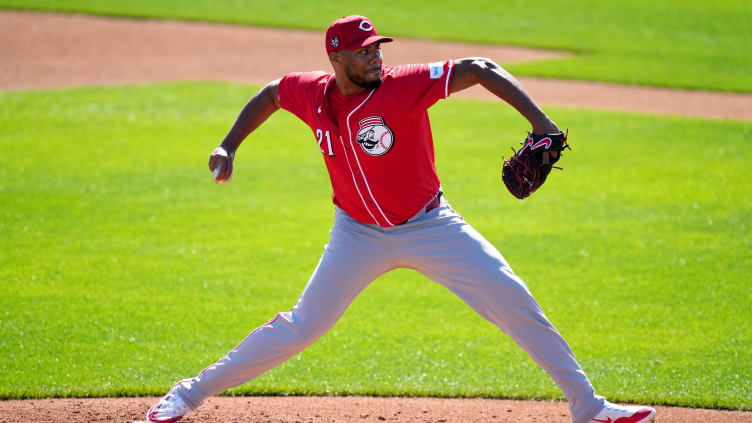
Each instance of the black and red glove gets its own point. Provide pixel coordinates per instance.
(527, 170)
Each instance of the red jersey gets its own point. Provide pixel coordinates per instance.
(378, 147)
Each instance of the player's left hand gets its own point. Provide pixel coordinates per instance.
(220, 163)
(527, 170)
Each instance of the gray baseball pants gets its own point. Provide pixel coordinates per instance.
(440, 245)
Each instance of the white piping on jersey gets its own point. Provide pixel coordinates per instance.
(356, 182)
(347, 159)
(349, 133)
(328, 84)
(449, 72)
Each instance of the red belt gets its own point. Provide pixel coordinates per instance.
(430, 206)
(434, 203)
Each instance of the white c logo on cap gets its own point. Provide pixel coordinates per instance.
(365, 26)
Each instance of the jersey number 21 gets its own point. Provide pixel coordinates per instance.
(320, 137)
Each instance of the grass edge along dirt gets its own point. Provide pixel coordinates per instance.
(695, 44)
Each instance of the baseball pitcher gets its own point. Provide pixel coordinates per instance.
(370, 122)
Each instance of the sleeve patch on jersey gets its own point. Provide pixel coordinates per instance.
(436, 70)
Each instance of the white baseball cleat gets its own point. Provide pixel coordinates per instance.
(613, 413)
(170, 409)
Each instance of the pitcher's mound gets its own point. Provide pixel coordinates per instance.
(329, 409)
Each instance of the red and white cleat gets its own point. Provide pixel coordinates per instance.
(612, 413)
(170, 409)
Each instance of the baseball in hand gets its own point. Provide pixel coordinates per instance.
(216, 173)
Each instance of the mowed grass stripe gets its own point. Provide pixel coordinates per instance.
(124, 267)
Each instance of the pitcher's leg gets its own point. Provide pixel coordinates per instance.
(350, 262)
(455, 255)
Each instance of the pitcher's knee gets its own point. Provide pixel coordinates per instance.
(508, 290)
(304, 337)
(303, 332)
(503, 281)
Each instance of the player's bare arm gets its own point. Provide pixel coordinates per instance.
(480, 70)
(254, 113)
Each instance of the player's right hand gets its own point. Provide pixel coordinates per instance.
(222, 159)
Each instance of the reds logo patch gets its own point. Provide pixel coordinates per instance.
(374, 136)
(365, 26)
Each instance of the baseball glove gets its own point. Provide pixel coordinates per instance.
(527, 170)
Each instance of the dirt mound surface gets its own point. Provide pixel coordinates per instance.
(330, 409)
(47, 50)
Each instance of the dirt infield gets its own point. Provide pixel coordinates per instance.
(331, 409)
(45, 50)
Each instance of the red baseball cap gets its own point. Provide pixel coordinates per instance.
(352, 32)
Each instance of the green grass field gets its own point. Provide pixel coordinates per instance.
(698, 44)
(123, 267)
